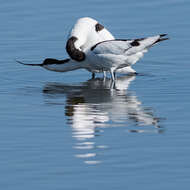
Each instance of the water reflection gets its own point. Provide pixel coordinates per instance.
(96, 104)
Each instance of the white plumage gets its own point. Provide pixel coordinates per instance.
(92, 47)
(85, 30)
(113, 55)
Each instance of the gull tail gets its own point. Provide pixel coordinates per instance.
(161, 38)
(20, 62)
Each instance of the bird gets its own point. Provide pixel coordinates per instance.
(92, 47)
(85, 33)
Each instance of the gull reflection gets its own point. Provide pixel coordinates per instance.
(99, 103)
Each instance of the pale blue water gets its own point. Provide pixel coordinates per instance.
(65, 131)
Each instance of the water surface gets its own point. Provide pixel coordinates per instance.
(67, 131)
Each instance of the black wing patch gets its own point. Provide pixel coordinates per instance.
(99, 27)
(135, 43)
(51, 61)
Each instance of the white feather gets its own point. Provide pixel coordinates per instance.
(118, 54)
(91, 46)
(84, 30)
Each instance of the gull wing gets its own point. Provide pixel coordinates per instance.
(126, 47)
(117, 47)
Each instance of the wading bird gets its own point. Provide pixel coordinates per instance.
(92, 47)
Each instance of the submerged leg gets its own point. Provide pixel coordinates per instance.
(93, 75)
(112, 74)
(104, 73)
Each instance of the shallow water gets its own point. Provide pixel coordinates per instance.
(67, 131)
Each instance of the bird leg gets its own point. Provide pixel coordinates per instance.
(104, 73)
(93, 75)
(112, 73)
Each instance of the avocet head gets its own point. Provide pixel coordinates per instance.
(86, 33)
